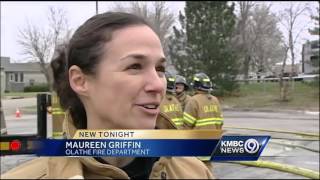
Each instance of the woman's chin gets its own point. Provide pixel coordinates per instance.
(146, 123)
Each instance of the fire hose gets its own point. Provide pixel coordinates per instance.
(278, 166)
(281, 167)
(278, 131)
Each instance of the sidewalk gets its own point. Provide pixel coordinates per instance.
(269, 109)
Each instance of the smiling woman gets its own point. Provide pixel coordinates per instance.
(111, 76)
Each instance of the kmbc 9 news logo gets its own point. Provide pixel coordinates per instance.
(251, 146)
(240, 147)
(230, 147)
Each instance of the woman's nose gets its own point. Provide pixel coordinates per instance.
(155, 82)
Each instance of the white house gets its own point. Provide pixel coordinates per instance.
(310, 54)
(16, 76)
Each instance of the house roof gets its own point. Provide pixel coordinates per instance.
(22, 67)
(19, 67)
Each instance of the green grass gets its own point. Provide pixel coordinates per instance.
(266, 96)
(19, 94)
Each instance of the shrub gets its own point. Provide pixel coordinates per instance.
(37, 88)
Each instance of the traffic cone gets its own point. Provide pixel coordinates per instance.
(18, 113)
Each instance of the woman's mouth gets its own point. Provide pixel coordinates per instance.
(149, 108)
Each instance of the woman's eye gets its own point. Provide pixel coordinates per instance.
(135, 66)
(161, 69)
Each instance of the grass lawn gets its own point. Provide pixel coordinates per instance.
(302, 96)
(18, 94)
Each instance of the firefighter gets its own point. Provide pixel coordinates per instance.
(203, 110)
(170, 105)
(181, 88)
(106, 78)
(57, 117)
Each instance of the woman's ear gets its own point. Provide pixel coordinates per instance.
(78, 80)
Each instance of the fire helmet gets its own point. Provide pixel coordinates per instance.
(202, 82)
(171, 87)
(182, 80)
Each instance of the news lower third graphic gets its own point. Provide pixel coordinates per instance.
(150, 143)
(239, 148)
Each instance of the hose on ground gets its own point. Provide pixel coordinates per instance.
(295, 145)
(281, 167)
(278, 131)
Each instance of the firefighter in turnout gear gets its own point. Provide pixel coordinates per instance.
(203, 109)
(58, 116)
(170, 105)
(181, 88)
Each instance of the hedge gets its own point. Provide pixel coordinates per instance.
(37, 88)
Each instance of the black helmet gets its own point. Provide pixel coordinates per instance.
(202, 82)
(171, 87)
(182, 80)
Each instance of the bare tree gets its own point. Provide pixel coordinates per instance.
(284, 86)
(289, 18)
(242, 35)
(159, 16)
(257, 38)
(39, 44)
(266, 44)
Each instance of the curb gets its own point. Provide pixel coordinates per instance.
(271, 110)
(12, 97)
(17, 97)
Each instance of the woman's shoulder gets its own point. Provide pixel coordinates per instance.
(33, 169)
(191, 164)
(186, 167)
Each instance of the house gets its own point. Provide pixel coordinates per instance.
(16, 76)
(276, 69)
(3, 82)
(310, 56)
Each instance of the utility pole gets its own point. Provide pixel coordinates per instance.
(96, 7)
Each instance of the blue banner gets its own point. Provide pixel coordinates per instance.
(227, 148)
(239, 148)
(123, 147)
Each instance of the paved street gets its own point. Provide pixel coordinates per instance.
(279, 149)
(306, 155)
(26, 124)
(289, 121)
(10, 105)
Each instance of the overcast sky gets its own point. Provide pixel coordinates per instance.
(15, 14)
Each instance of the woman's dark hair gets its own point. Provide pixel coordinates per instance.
(85, 50)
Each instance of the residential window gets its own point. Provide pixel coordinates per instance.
(16, 77)
(314, 60)
(315, 45)
(11, 77)
(31, 82)
(21, 77)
